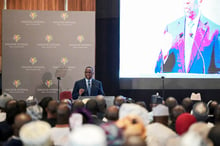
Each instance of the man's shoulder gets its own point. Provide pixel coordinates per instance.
(80, 81)
(97, 81)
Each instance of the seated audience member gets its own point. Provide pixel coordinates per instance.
(161, 114)
(155, 100)
(114, 134)
(4, 98)
(159, 133)
(92, 107)
(87, 86)
(87, 117)
(214, 135)
(200, 111)
(77, 104)
(75, 121)
(133, 109)
(33, 109)
(36, 133)
(187, 104)
(212, 104)
(132, 125)
(20, 120)
(171, 102)
(22, 105)
(134, 141)
(87, 135)
(11, 109)
(60, 133)
(202, 129)
(112, 113)
(101, 106)
(43, 103)
(141, 103)
(183, 122)
(217, 114)
(175, 112)
(51, 110)
(192, 139)
(119, 100)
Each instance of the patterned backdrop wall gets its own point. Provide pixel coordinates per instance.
(38, 47)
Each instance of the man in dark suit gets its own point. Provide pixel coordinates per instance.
(87, 86)
(194, 43)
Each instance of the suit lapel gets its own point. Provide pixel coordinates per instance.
(199, 37)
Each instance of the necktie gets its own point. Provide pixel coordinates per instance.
(89, 87)
(191, 24)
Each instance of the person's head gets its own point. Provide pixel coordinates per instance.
(78, 104)
(92, 106)
(214, 135)
(63, 113)
(161, 114)
(192, 8)
(155, 100)
(119, 100)
(112, 113)
(52, 109)
(20, 120)
(12, 110)
(176, 111)
(200, 111)
(22, 105)
(43, 103)
(171, 102)
(217, 114)
(183, 122)
(187, 104)
(89, 72)
(36, 133)
(101, 103)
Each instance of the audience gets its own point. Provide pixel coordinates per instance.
(124, 124)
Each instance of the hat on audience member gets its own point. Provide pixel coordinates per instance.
(134, 109)
(35, 111)
(156, 99)
(160, 110)
(159, 132)
(31, 100)
(195, 97)
(88, 135)
(113, 133)
(4, 98)
(66, 95)
(183, 122)
(75, 120)
(35, 133)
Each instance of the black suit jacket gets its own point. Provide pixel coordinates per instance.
(96, 88)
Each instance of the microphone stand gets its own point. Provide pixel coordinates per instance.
(58, 87)
(163, 90)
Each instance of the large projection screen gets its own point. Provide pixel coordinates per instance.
(45, 50)
(143, 25)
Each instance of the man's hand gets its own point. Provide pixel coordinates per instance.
(81, 91)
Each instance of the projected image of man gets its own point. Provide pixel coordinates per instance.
(194, 43)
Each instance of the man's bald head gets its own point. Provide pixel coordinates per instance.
(20, 120)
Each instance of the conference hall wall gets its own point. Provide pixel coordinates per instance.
(39, 47)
